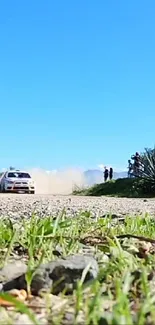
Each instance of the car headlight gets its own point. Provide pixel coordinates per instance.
(31, 183)
(10, 182)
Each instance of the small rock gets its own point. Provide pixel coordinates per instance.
(57, 275)
(22, 319)
(12, 271)
(112, 216)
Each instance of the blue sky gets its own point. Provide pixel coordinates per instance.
(77, 82)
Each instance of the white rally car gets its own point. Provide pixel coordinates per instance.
(17, 181)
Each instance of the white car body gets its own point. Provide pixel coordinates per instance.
(17, 181)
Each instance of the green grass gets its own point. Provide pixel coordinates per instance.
(123, 187)
(124, 291)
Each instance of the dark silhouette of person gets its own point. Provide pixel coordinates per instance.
(136, 159)
(111, 173)
(106, 174)
(130, 167)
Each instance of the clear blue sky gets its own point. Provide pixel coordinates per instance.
(77, 81)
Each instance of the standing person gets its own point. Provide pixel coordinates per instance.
(129, 168)
(136, 159)
(111, 173)
(137, 163)
(106, 174)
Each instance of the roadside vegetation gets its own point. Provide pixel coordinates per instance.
(141, 186)
(123, 187)
(123, 292)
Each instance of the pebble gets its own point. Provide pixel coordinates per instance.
(56, 275)
(12, 270)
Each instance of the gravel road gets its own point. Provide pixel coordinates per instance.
(19, 206)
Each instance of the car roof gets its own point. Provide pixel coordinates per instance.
(17, 171)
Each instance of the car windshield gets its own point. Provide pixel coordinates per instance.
(18, 175)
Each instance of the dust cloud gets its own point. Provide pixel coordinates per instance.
(57, 182)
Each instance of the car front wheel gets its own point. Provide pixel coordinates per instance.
(32, 192)
(2, 189)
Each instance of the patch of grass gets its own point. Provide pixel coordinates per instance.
(124, 291)
(123, 187)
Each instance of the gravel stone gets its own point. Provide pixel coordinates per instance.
(57, 275)
(12, 270)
